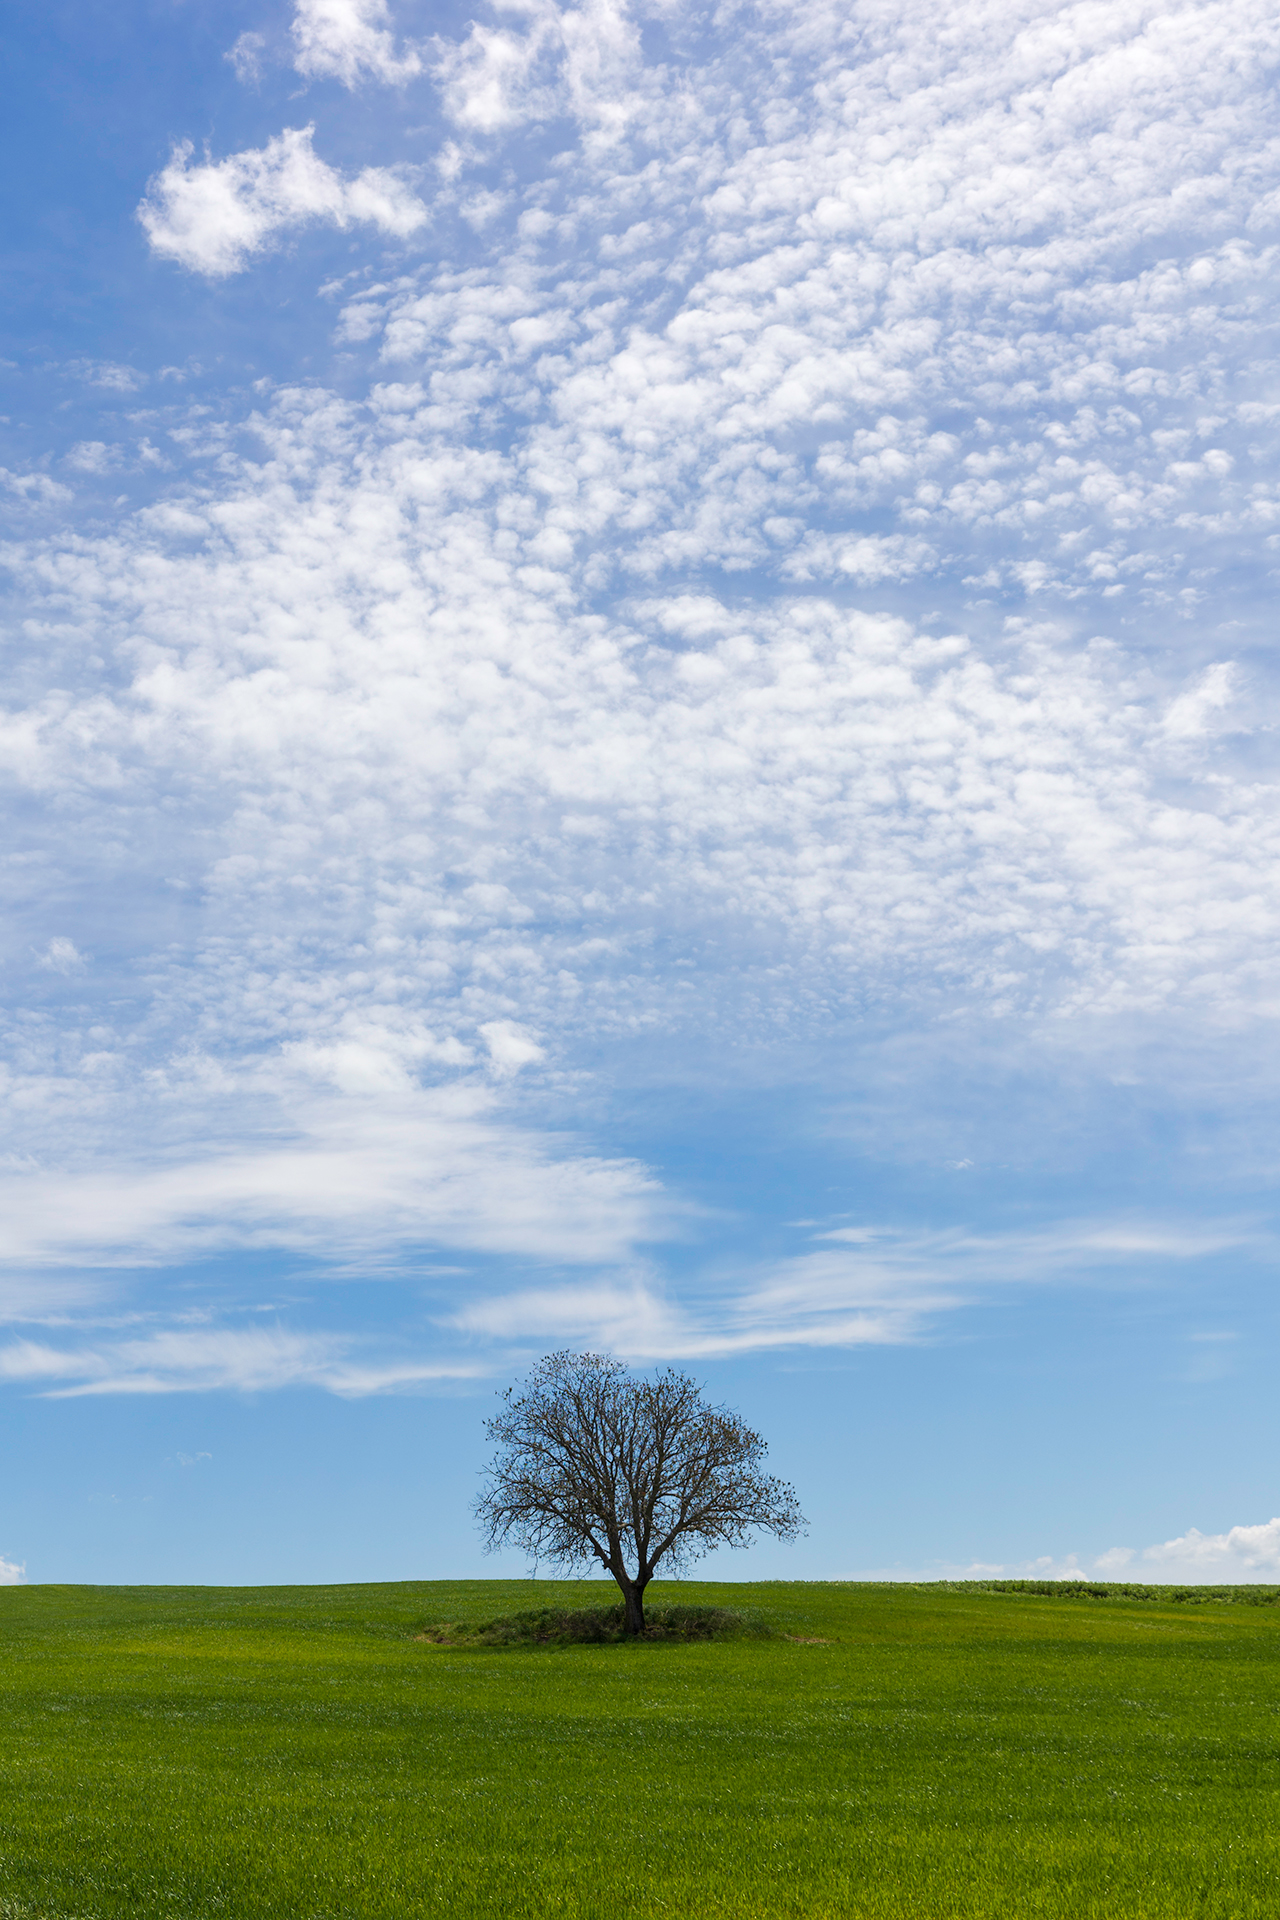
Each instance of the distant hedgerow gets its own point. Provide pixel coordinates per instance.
(1122, 1590)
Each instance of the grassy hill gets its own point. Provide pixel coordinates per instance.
(907, 1751)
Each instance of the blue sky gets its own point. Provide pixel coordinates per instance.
(639, 712)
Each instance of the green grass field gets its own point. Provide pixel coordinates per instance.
(913, 1751)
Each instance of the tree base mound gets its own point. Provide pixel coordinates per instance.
(601, 1626)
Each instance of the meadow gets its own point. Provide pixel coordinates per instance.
(906, 1751)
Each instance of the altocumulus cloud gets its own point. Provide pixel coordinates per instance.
(797, 513)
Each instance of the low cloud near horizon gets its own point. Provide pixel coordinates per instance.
(1241, 1556)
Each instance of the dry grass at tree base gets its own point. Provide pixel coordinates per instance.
(892, 1753)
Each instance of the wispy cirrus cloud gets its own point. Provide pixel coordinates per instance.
(355, 1177)
(875, 1287)
(218, 1359)
(889, 1288)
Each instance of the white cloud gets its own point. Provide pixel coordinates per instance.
(1240, 1557)
(246, 57)
(848, 279)
(379, 1188)
(640, 1322)
(12, 1574)
(93, 456)
(209, 1360)
(582, 61)
(510, 1047)
(34, 487)
(883, 1288)
(822, 773)
(354, 1176)
(488, 79)
(62, 955)
(887, 1293)
(349, 40)
(215, 218)
(1193, 711)
(1242, 1553)
(111, 375)
(866, 558)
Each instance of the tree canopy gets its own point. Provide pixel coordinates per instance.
(594, 1462)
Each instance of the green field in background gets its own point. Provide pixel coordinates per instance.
(295, 1752)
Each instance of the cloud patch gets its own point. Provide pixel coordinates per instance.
(351, 41)
(245, 57)
(216, 217)
(62, 956)
(360, 1177)
(580, 61)
(215, 1360)
(510, 1047)
(1241, 1553)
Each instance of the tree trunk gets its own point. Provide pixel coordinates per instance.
(633, 1603)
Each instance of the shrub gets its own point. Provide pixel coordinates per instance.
(601, 1626)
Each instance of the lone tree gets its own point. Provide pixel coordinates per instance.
(593, 1463)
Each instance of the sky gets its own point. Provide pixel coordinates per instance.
(639, 714)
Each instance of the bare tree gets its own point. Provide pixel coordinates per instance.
(594, 1463)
